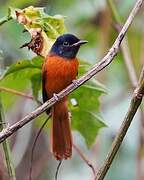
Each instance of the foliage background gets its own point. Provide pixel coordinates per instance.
(89, 20)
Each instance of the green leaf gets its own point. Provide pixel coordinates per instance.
(6, 18)
(86, 116)
(83, 67)
(19, 83)
(27, 69)
(87, 124)
(53, 26)
(36, 84)
(19, 75)
(35, 63)
(95, 85)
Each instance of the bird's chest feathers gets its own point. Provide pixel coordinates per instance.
(58, 67)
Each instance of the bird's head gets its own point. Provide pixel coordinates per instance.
(67, 46)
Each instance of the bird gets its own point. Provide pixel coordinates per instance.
(60, 69)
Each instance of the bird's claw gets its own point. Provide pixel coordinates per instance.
(55, 96)
(75, 82)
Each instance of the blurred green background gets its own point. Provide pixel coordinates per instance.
(90, 20)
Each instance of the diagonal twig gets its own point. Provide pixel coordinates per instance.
(34, 145)
(93, 71)
(86, 160)
(134, 105)
(18, 93)
(134, 80)
(124, 46)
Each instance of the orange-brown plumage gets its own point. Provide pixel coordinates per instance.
(60, 68)
(59, 73)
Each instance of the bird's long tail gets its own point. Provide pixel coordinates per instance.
(61, 131)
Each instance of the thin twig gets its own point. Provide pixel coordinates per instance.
(18, 93)
(81, 154)
(93, 71)
(115, 14)
(57, 170)
(86, 160)
(139, 160)
(6, 148)
(124, 46)
(128, 63)
(34, 144)
(39, 165)
(134, 105)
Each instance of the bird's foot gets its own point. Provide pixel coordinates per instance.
(75, 82)
(56, 96)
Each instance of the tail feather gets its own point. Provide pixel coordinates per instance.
(61, 131)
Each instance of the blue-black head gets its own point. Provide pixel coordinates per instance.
(67, 46)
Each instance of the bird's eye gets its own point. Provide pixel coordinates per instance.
(65, 43)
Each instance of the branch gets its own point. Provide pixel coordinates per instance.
(18, 93)
(124, 46)
(134, 80)
(128, 63)
(134, 105)
(6, 148)
(93, 71)
(115, 14)
(85, 159)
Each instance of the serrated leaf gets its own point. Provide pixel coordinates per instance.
(87, 124)
(85, 116)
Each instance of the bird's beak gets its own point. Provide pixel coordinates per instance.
(79, 43)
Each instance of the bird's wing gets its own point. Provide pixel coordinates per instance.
(44, 94)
